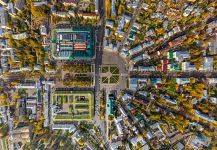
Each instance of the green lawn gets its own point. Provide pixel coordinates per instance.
(81, 106)
(104, 80)
(114, 79)
(69, 97)
(63, 117)
(105, 69)
(114, 70)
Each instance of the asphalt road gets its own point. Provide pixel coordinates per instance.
(183, 74)
(98, 61)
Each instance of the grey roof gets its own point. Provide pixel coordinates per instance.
(20, 4)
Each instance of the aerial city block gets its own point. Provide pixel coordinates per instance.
(108, 74)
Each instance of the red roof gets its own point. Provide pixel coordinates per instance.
(164, 65)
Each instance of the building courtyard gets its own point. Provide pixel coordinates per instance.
(72, 105)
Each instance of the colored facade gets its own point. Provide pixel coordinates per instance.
(76, 43)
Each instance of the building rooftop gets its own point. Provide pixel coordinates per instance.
(73, 43)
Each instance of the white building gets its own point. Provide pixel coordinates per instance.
(208, 64)
(212, 80)
(20, 36)
(181, 55)
(199, 141)
(187, 66)
(119, 126)
(70, 127)
(182, 81)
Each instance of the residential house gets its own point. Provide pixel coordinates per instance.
(204, 116)
(113, 8)
(187, 66)
(188, 10)
(20, 36)
(3, 115)
(199, 141)
(4, 19)
(70, 2)
(107, 32)
(170, 33)
(145, 6)
(135, 27)
(158, 15)
(140, 57)
(115, 145)
(119, 125)
(168, 99)
(62, 13)
(14, 70)
(136, 83)
(139, 48)
(179, 146)
(27, 85)
(4, 46)
(43, 30)
(177, 42)
(25, 68)
(127, 97)
(197, 126)
(124, 19)
(132, 3)
(135, 50)
(11, 9)
(20, 4)
(3, 2)
(181, 55)
(123, 113)
(155, 81)
(174, 67)
(148, 44)
(143, 93)
(132, 36)
(212, 80)
(139, 140)
(150, 33)
(124, 53)
(182, 81)
(208, 64)
(213, 100)
(146, 68)
(37, 67)
(88, 15)
(164, 65)
(69, 127)
(212, 24)
(176, 29)
(40, 3)
(96, 6)
(109, 23)
(156, 132)
(76, 137)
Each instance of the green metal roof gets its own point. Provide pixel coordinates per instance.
(171, 54)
